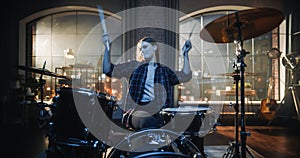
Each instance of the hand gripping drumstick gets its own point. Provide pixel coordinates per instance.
(184, 48)
(102, 21)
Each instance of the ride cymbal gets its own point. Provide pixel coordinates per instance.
(252, 23)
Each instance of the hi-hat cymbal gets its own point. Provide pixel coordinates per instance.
(236, 74)
(253, 23)
(41, 71)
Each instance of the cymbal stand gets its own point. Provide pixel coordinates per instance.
(44, 115)
(240, 67)
(234, 146)
(42, 82)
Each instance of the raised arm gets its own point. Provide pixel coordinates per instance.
(186, 62)
(106, 64)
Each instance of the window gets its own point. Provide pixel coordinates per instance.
(212, 63)
(77, 32)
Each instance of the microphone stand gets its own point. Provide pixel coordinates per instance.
(42, 83)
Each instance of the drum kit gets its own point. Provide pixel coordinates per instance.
(173, 141)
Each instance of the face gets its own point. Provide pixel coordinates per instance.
(147, 50)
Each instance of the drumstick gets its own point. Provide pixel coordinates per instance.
(192, 31)
(184, 48)
(102, 21)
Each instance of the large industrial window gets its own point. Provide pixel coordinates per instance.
(70, 44)
(212, 63)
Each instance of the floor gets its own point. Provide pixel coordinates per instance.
(279, 139)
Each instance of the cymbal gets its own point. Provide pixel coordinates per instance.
(236, 74)
(41, 71)
(253, 23)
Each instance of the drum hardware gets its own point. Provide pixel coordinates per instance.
(110, 100)
(154, 142)
(239, 67)
(41, 71)
(237, 27)
(45, 110)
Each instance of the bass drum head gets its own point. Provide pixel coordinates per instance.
(154, 143)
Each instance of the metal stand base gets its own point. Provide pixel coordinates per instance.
(231, 153)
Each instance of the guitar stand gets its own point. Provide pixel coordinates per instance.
(239, 67)
(295, 99)
(291, 91)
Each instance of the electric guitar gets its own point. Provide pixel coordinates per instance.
(268, 105)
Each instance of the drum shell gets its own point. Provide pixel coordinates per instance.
(67, 121)
(154, 143)
(189, 120)
(193, 127)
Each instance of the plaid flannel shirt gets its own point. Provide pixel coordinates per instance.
(136, 72)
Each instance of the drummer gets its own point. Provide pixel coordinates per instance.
(150, 83)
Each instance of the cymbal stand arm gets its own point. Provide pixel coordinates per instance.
(42, 83)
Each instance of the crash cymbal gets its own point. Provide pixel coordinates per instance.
(41, 71)
(253, 23)
(235, 74)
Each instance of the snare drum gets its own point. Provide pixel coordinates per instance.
(186, 120)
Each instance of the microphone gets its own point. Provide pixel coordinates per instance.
(289, 62)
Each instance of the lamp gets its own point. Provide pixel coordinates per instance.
(69, 53)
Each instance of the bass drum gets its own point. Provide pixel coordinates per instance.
(155, 143)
